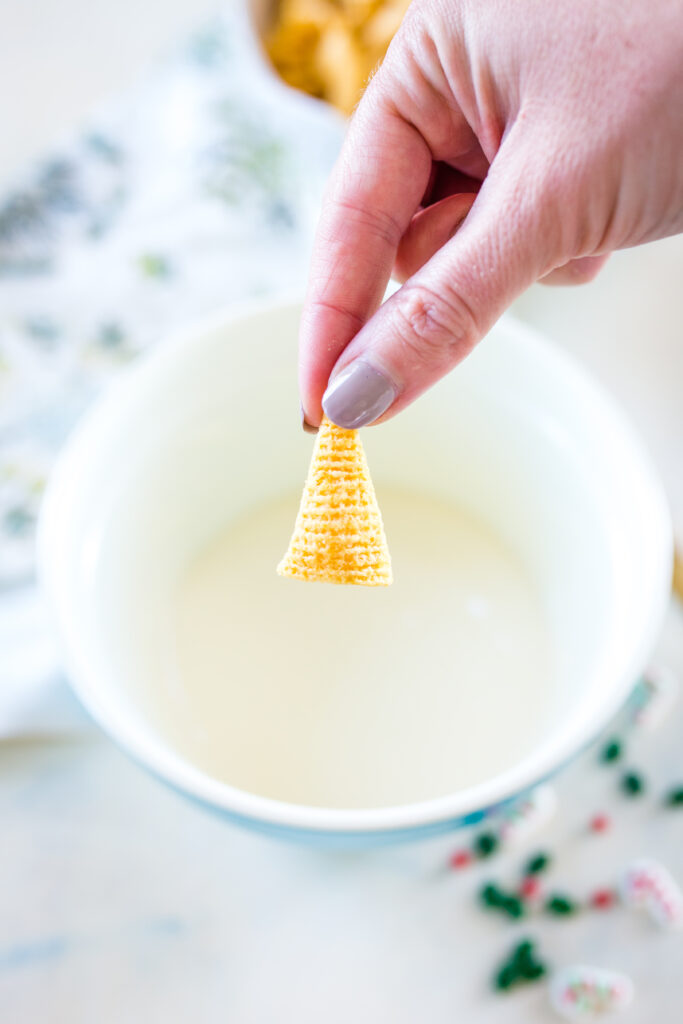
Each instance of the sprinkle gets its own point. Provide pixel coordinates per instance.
(523, 817)
(496, 899)
(523, 951)
(485, 844)
(530, 888)
(560, 905)
(539, 862)
(603, 899)
(524, 959)
(460, 859)
(490, 895)
(513, 906)
(674, 798)
(535, 971)
(654, 698)
(612, 751)
(632, 784)
(521, 966)
(647, 885)
(599, 823)
(507, 976)
(581, 991)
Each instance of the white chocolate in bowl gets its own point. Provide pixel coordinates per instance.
(348, 697)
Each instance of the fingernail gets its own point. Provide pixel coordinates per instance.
(456, 227)
(307, 427)
(358, 395)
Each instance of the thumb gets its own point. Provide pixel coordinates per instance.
(443, 310)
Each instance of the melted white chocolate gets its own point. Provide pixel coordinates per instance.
(347, 697)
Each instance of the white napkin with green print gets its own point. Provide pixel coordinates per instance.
(197, 188)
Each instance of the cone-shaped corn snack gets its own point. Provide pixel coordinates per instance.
(338, 536)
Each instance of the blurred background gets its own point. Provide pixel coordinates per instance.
(152, 169)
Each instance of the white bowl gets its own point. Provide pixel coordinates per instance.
(204, 430)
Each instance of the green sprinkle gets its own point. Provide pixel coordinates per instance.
(674, 798)
(522, 966)
(524, 951)
(632, 784)
(506, 977)
(490, 895)
(485, 844)
(513, 906)
(561, 906)
(495, 899)
(539, 862)
(526, 962)
(535, 971)
(612, 751)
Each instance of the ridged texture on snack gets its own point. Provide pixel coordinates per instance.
(339, 535)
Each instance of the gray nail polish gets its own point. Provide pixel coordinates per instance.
(358, 395)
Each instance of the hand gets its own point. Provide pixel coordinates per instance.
(501, 142)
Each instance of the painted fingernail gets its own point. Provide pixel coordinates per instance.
(307, 427)
(358, 395)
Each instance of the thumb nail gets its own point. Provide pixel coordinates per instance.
(358, 395)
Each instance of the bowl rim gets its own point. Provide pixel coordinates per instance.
(532, 769)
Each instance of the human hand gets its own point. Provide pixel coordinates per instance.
(501, 142)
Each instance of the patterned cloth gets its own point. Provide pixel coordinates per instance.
(197, 188)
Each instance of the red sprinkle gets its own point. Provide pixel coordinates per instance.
(599, 823)
(603, 899)
(530, 887)
(461, 859)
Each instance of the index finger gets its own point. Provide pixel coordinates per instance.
(376, 187)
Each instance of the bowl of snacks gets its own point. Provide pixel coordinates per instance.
(325, 49)
(511, 526)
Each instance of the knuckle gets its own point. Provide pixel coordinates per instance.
(575, 272)
(377, 223)
(435, 327)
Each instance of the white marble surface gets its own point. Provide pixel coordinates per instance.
(123, 902)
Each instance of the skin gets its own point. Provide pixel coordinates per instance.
(501, 142)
